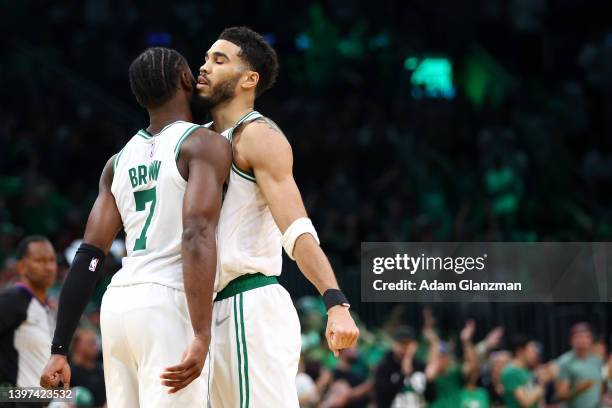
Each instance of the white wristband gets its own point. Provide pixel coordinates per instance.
(298, 227)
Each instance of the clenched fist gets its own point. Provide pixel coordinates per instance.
(341, 332)
(57, 370)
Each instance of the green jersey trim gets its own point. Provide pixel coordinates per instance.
(177, 148)
(147, 135)
(243, 174)
(144, 134)
(170, 124)
(245, 354)
(117, 156)
(249, 116)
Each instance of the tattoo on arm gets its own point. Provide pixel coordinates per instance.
(271, 125)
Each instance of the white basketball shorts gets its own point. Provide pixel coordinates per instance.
(255, 345)
(146, 328)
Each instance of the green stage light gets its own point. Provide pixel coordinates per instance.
(432, 77)
(411, 63)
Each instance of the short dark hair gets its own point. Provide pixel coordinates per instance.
(581, 327)
(257, 53)
(24, 245)
(518, 342)
(154, 75)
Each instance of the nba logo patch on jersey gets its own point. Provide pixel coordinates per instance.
(152, 150)
(93, 264)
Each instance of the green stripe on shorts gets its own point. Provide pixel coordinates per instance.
(238, 350)
(245, 354)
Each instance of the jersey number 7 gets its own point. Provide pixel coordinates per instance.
(142, 198)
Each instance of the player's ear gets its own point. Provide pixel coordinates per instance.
(250, 79)
(187, 80)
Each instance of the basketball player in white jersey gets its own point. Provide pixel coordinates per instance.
(256, 332)
(164, 188)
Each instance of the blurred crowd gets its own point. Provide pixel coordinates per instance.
(401, 367)
(395, 365)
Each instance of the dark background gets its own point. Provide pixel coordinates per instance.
(521, 152)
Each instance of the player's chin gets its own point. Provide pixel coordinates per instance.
(202, 88)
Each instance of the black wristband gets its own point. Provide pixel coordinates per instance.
(334, 297)
(57, 349)
(86, 269)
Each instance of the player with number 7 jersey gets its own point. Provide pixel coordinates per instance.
(149, 189)
(164, 188)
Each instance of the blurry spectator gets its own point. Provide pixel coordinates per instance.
(9, 273)
(607, 372)
(450, 373)
(473, 396)
(401, 379)
(360, 387)
(26, 322)
(489, 343)
(497, 362)
(600, 348)
(337, 396)
(579, 382)
(313, 381)
(520, 388)
(87, 371)
(490, 368)
(308, 394)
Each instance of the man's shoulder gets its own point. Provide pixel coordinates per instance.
(510, 371)
(596, 359)
(263, 139)
(261, 126)
(566, 358)
(201, 140)
(260, 144)
(15, 294)
(15, 300)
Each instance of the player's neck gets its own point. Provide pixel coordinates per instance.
(582, 353)
(226, 114)
(167, 114)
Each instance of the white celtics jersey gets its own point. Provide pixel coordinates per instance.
(149, 190)
(248, 240)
